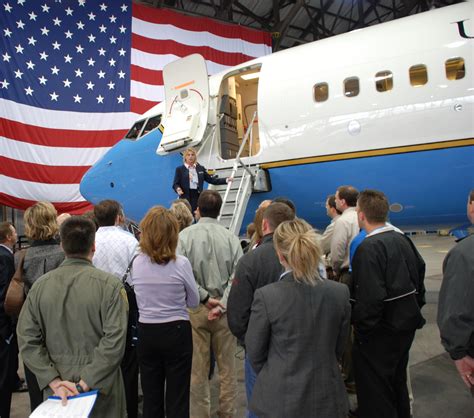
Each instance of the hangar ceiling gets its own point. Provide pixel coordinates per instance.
(294, 22)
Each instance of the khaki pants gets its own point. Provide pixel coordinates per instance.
(215, 334)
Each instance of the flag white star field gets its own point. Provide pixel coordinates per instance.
(75, 75)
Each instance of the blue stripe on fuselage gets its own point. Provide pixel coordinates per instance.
(432, 186)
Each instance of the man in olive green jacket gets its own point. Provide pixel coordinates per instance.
(73, 325)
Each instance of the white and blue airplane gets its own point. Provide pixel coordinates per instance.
(389, 107)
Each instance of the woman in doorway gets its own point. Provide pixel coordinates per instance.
(189, 178)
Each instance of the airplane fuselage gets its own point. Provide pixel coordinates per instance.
(388, 107)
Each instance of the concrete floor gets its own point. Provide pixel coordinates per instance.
(438, 390)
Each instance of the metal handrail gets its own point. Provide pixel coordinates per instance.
(251, 141)
(238, 162)
(213, 136)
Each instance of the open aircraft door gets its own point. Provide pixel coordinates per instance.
(186, 102)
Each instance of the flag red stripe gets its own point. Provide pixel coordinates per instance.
(41, 173)
(144, 75)
(59, 137)
(140, 106)
(74, 208)
(200, 24)
(163, 47)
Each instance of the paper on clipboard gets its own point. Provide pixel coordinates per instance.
(79, 406)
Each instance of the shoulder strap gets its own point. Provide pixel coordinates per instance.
(127, 272)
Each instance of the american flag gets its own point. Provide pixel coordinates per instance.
(75, 75)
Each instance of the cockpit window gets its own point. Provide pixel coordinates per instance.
(151, 124)
(135, 130)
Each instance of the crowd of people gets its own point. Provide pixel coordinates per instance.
(317, 314)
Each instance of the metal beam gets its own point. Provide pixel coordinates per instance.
(247, 12)
(276, 12)
(314, 21)
(224, 11)
(334, 23)
(408, 6)
(363, 15)
(336, 15)
(376, 11)
(282, 27)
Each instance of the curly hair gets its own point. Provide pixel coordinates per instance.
(40, 221)
(182, 213)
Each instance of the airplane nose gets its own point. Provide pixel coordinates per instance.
(98, 182)
(133, 174)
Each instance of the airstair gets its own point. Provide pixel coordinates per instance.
(246, 180)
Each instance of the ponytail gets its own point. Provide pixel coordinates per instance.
(297, 243)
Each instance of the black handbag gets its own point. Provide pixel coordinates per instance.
(133, 316)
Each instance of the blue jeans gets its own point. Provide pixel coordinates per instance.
(250, 378)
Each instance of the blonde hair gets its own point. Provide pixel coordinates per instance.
(188, 151)
(159, 237)
(40, 221)
(297, 243)
(182, 213)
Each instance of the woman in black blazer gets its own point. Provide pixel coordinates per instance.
(297, 332)
(189, 178)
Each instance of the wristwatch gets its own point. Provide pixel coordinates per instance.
(79, 388)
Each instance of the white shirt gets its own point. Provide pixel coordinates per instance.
(346, 228)
(326, 238)
(193, 176)
(114, 249)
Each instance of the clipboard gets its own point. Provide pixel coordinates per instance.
(79, 406)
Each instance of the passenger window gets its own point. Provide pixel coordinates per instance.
(351, 87)
(133, 133)
(455, 69)
(321, 92)
(418, 75)
(384, 81)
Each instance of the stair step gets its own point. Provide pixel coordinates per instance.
(233, 209)
(226, 172)
(235, 185)
(225, 222)
(228, 210)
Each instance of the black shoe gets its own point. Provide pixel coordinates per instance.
(22, 387)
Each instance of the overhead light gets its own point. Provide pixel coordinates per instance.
(250, 76)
